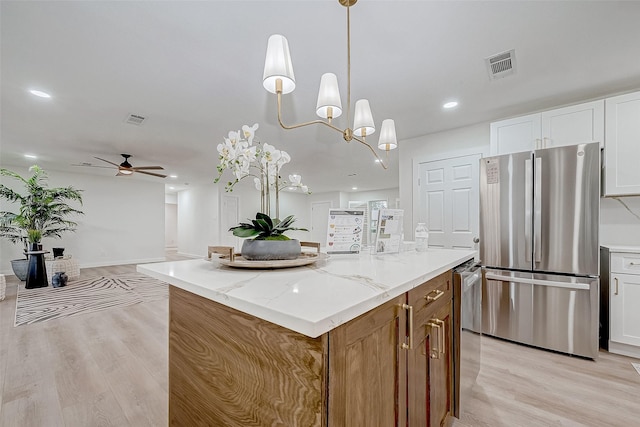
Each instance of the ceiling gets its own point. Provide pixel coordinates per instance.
(194, 70)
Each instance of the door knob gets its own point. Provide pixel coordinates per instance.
(476, 240)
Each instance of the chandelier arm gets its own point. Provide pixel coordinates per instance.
(299, 125)
(372, 150)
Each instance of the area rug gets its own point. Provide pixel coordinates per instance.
(86, 296)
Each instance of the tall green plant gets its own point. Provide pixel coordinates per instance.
(40, 207)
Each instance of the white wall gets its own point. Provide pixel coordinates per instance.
(454, 143)
(171, 225)
(123, 221)
(336, 198)
(198, 219)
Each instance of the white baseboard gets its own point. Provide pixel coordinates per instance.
(191, 255)
(624, 349)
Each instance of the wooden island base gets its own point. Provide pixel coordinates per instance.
(227, 368)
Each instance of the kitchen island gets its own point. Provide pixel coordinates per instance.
(353, 340)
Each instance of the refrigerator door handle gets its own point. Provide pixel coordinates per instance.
(528, 196)
(537, 214)
(552, 283)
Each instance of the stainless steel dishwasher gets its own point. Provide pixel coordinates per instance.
(467, 289)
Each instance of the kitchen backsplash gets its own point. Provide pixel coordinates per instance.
(620, 221)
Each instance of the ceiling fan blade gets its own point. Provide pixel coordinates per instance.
(137, 168)
(151, 173)
(111, 163)
(92, 166)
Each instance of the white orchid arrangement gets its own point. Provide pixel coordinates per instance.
(245, 156)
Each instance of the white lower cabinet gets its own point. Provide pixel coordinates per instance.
(624, 304)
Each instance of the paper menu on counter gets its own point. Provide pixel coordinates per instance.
(389, 231)
(344, 231)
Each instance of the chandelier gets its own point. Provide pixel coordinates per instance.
(278, 78)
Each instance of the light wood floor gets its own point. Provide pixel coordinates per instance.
(110, 369)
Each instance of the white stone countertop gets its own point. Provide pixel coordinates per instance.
(618, 248)
(312, 299)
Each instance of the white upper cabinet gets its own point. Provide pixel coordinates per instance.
(515, 135)
(571, 125)
(622, 149)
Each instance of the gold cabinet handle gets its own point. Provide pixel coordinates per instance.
(616, 280)
(435, 350)
(438, 293)
(441, 342)
(409, 346)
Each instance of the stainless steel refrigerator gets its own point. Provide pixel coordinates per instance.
(539, 216)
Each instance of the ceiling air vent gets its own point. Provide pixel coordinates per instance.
(134, 119)
(501, 65)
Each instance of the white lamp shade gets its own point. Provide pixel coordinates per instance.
(329, 96)
(277, 65)
(363, 119)
(388, 140)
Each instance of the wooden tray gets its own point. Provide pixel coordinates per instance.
(231, 259)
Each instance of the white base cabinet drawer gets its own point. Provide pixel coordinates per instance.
(628, 263)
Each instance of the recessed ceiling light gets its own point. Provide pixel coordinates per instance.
(30, 156)
(173, 176)
(354, 188)
(451, 104)
(39, 93)
(172, 188)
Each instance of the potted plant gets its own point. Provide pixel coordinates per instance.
(269, 242)
(40, 209)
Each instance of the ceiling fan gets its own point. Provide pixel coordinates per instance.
(125, 168)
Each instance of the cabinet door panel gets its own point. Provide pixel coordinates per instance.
(367, 369)
(625, 315)
(515, 135)
(622, 175)
(576, 124)
(430, 362)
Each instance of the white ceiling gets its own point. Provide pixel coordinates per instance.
(194, 69)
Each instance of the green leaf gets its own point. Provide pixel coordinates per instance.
(265, 217)
(244, 232)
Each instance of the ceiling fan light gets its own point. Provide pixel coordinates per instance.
(363, 119)
(388, 140)
(329, 97)
(125, 172)
(278, 65)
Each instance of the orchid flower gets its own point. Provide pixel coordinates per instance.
(238, 154)
(250, 132)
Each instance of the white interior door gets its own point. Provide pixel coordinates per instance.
(229, 217)
(449, 201)
(319, 221)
